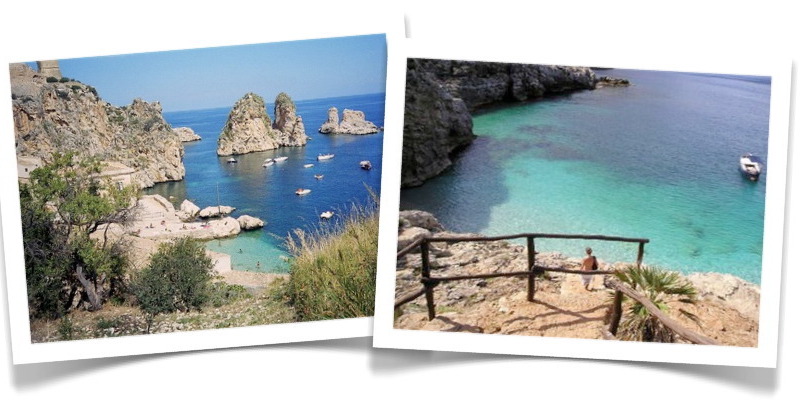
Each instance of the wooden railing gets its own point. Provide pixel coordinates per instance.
(430, 282)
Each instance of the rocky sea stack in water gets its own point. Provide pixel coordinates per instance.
(353, 123)
(61, 115)
(441, 94)
(250, 129)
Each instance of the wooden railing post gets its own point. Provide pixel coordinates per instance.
(616, 313)
(640, 255)
(531, 262)
(426, 274)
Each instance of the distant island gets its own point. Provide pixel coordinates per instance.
(353, 123)
(249, 128)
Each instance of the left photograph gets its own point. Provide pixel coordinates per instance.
(199, 189)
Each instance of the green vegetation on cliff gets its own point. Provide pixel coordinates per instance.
(333, 270)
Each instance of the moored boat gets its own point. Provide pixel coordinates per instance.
(281, 159)
(750, 166)
(302, 192)
(308, 165)
(319, 176)
(326, 215)
(366, 165)
(268, 162)
(325, 156)
(232, 160)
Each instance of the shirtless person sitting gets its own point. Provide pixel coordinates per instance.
(588, 264)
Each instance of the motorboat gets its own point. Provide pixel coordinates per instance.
(281, 159)
(326, 215)
(319, 176)
(325, 156)
(232, 160)
(308, 165)
(366, 165)
(268, 162)
(750, 166)
(302, 192)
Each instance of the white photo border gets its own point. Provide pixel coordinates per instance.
(764, 355)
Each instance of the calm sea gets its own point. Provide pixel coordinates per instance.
(268, 193)
(658, 160)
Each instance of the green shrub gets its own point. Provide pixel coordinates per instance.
(332, 273)
(65, 329)
(178, 279)
(64, 79)
(51, 79)
(222, 293)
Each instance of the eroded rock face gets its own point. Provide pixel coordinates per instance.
(289, 125)
(248, 128)
(69, 116)
(441, 94)
(215, 211)
(353, 123)
(186, 134)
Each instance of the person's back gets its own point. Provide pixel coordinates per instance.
(588, 265)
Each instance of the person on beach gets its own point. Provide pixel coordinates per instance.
(589, 264)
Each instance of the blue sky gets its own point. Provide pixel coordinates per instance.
(217, 77)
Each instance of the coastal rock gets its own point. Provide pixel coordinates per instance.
(248, 128)
(188, 211)
(409, 235)
(60, 117)
(744, 296)
(421, 219)
(353, 123)
(215, 211)
(247, 222)
(606, 81)
(441, 94)
(186, 134)
(289, 125)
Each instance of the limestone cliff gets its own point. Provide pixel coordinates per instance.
(289, 125)
(248, 128)
(186, 134)
(67, 115)
(353, 123)
(441, 94)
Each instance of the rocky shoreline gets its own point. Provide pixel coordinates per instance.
(441, 96)
(728, 307)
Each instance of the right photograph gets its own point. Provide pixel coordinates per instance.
(582, 202)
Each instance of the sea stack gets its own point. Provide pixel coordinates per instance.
(248, 128)
(353, 123)
(186, 134)
(289, 125)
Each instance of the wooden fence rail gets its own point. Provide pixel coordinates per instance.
(430, 282)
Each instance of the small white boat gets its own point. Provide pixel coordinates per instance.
(232, 160)
(281, 159)
(319, 176)
(366, 165)
(308, 165)
(268, 162)
(325, 156)
(326, 215)
(750, 166)
(302, 192)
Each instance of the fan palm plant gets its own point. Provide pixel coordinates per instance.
(659, 286)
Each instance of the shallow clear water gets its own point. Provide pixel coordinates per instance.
(657, 160)
(268, 193)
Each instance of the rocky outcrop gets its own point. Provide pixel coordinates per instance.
(247, 222)
(215, 211)
(353, 123)
(51, 117)
(441, 94)
(248, 128)
(188, 211)
(289, 125)
(606, 81)
(727, 306)
(154, 217)
(186, 134)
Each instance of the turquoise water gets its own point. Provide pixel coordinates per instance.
(655, 160)
(268, 193)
